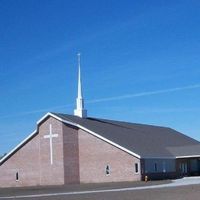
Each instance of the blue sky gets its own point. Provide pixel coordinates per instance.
(140, 62)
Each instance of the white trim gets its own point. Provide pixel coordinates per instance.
(109, 141)
(159, 158)
(56, 117)
(70, 123)
(191, 156)
(45, 116)
(95, 134)
(19, 145)
(89, 131)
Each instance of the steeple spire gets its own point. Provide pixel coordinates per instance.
(80, 111)
(79, 76)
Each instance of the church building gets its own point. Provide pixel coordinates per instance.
(67, 149)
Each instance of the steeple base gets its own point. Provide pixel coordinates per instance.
(80, 113)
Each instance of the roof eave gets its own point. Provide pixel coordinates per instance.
(17, 147)
(49, 114)
(93, 133)
(188, 156)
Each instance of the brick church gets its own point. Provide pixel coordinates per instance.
(67, 149)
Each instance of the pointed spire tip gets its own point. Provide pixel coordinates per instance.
(80, 111)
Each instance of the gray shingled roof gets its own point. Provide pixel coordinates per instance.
(145, 140)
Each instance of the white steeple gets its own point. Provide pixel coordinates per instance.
(80, 111)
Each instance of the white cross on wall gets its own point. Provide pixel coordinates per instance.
(50, 137)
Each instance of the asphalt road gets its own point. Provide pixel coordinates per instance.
(4, 192)
(105, 191)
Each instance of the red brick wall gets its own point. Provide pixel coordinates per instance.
(71, 154)
(77, 157)
(95, 154)
(51, 174)
(25, 162)
(32, 161)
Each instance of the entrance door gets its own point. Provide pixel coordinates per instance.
(183, 168)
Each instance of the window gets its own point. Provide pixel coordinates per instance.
(107, 170)
(155, 167)
(136, 168)
(17, 176)
(164, 167)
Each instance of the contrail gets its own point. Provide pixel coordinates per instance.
(36, 111)
(128, 96)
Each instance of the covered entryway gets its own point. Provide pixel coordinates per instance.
(188, 166)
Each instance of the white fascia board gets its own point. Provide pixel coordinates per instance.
(89, 131)
(56, 117)
(159, 158)
(191, 156)
(95, 134)
(44, 117)
(70, 123)
(27, 138)
(18, 146)
(109, 141)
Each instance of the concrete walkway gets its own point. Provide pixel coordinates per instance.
(184, 181)
(174, 183)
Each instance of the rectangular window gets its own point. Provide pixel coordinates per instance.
(17, 176)
(164, 167)
(155, 167)
(107, 170)
(136, 168)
